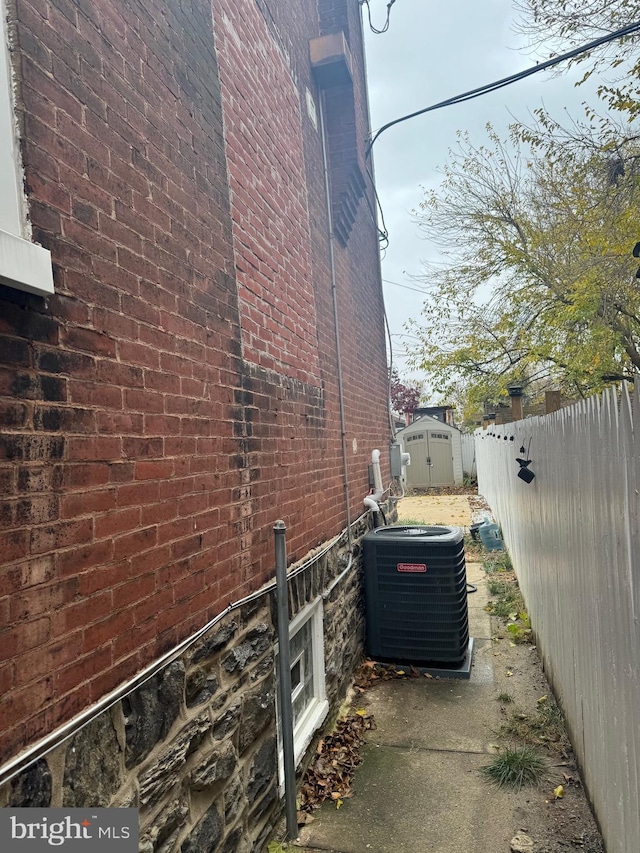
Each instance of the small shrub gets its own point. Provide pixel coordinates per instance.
(497, 587)
(515, 767)
(507, 606)
(519, 633)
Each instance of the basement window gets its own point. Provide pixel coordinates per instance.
(308, 696)
(23, 264)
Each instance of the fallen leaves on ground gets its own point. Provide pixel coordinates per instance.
(337, 756)
(371, 672)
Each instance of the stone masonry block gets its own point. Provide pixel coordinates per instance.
(166, 770)
(151, 710)
(32, 788)
(93, 765)
(206, 835)
(254, 644)
(262, 770)
(165, 828)
(210, 644)
(258, 709)
(219, 765)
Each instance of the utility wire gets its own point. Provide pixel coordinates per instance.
(406, 287)
(386, 23)
(383, 233)
(630, 29)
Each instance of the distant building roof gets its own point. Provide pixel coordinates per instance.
(441, 413)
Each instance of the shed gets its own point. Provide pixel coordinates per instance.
(436, 453)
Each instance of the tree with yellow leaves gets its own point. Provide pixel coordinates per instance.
(538, 286)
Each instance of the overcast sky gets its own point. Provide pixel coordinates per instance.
(435, 49)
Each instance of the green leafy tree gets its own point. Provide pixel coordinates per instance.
(553, 26)
(538, 286)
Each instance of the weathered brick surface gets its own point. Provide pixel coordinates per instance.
(179, 392)
(113, 387)
(268, 193)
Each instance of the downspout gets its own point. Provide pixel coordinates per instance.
(334, 295)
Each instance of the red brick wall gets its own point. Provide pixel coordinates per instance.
(143, 459)
(268, 193)
(293, 460)
(117, 457)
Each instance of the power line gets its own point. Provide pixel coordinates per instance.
(507, 81)
(401, 335)
(406, 287)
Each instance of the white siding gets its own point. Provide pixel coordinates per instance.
(574, 538)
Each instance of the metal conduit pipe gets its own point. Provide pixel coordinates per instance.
(67, 730)
(334, 295)
(334, 583)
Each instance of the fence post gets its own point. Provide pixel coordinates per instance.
(551, 401)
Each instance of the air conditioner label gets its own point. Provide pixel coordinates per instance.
(411, 567)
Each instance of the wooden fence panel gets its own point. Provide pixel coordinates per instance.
(574, 537)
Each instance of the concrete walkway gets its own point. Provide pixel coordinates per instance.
(418, 789)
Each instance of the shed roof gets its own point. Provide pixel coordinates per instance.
(427, 421)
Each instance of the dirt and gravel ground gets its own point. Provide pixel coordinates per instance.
(554, 824)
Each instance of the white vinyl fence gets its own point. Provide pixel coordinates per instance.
(468, 455)
(573, 535)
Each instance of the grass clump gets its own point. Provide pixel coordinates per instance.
(498, 587)
(520, 631)
(544, 727)
(515, 767)
(505, 698)
(509, 602)
(472, 547)
(497, 561)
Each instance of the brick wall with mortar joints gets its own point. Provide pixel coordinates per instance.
(116, 483)
(194, 747)
(284, 431)
(358, 282)
(358, 274)
(268, 193)
(312, 489)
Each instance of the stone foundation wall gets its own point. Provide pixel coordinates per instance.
(194, 747)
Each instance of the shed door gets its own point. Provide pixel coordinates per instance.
(418, 471)
(440, 459)
(431, 459)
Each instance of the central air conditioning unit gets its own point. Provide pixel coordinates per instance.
(416, 595)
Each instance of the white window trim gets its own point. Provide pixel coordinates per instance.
(317, 710)
(23, 264)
